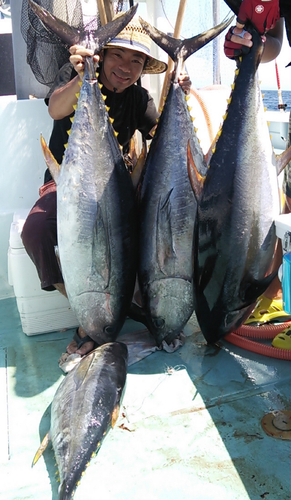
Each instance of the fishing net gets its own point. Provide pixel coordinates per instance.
(46, 53)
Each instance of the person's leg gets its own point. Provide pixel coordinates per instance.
(78, 345)
(39, 236)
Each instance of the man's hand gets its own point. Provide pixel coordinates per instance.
(184, 82)
(77, 58)
(237, 42)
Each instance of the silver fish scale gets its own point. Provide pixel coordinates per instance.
(96, 225)
(239, 202)
(82, 410)
(167, 218)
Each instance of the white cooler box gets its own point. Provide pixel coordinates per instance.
(40, 311)
(283, 231)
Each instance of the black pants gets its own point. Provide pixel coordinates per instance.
(39, 236)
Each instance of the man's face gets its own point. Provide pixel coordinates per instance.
(121, 68)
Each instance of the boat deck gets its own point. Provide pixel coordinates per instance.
(189, 425)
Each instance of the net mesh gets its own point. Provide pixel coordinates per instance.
(46, 53)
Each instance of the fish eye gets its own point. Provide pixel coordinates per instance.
(109, 329)
(159, 322)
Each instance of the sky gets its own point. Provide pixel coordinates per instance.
(198, 16)
(267, 72)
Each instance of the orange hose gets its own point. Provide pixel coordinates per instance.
(205, 112)
(267, 331)
(256, 347)
(239, 338)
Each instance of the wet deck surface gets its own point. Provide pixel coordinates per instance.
(189, 426)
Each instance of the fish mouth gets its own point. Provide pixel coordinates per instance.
(91, 81)
(170, 305)
(99, 314)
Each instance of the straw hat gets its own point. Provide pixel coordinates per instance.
(134, 37)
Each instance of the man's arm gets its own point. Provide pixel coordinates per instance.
(64, 98)
(274, 41)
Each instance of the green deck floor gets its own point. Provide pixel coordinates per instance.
(189, 426)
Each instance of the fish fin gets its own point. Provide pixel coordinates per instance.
(115, 415)
(100, 240)
(62, 489)
(50, 160)
(283, 159)
(82, 369)
(72, 36)
(65, 32)
(252, 291)
(196, 179)
(105, 33)
(182, 49)
(234, 5)
(138, 169)
(211, 150)
(41, 449)
(166, 259)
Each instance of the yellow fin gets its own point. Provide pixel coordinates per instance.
(114, 415)
(137, 171)
(41, 449)
(50, 160)
(196, 179)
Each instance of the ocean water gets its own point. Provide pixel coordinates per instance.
(271, 99)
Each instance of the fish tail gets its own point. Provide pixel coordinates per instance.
(234, 5)
(105, 33)
(182, 49)
(72, 36)
(65, 32)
